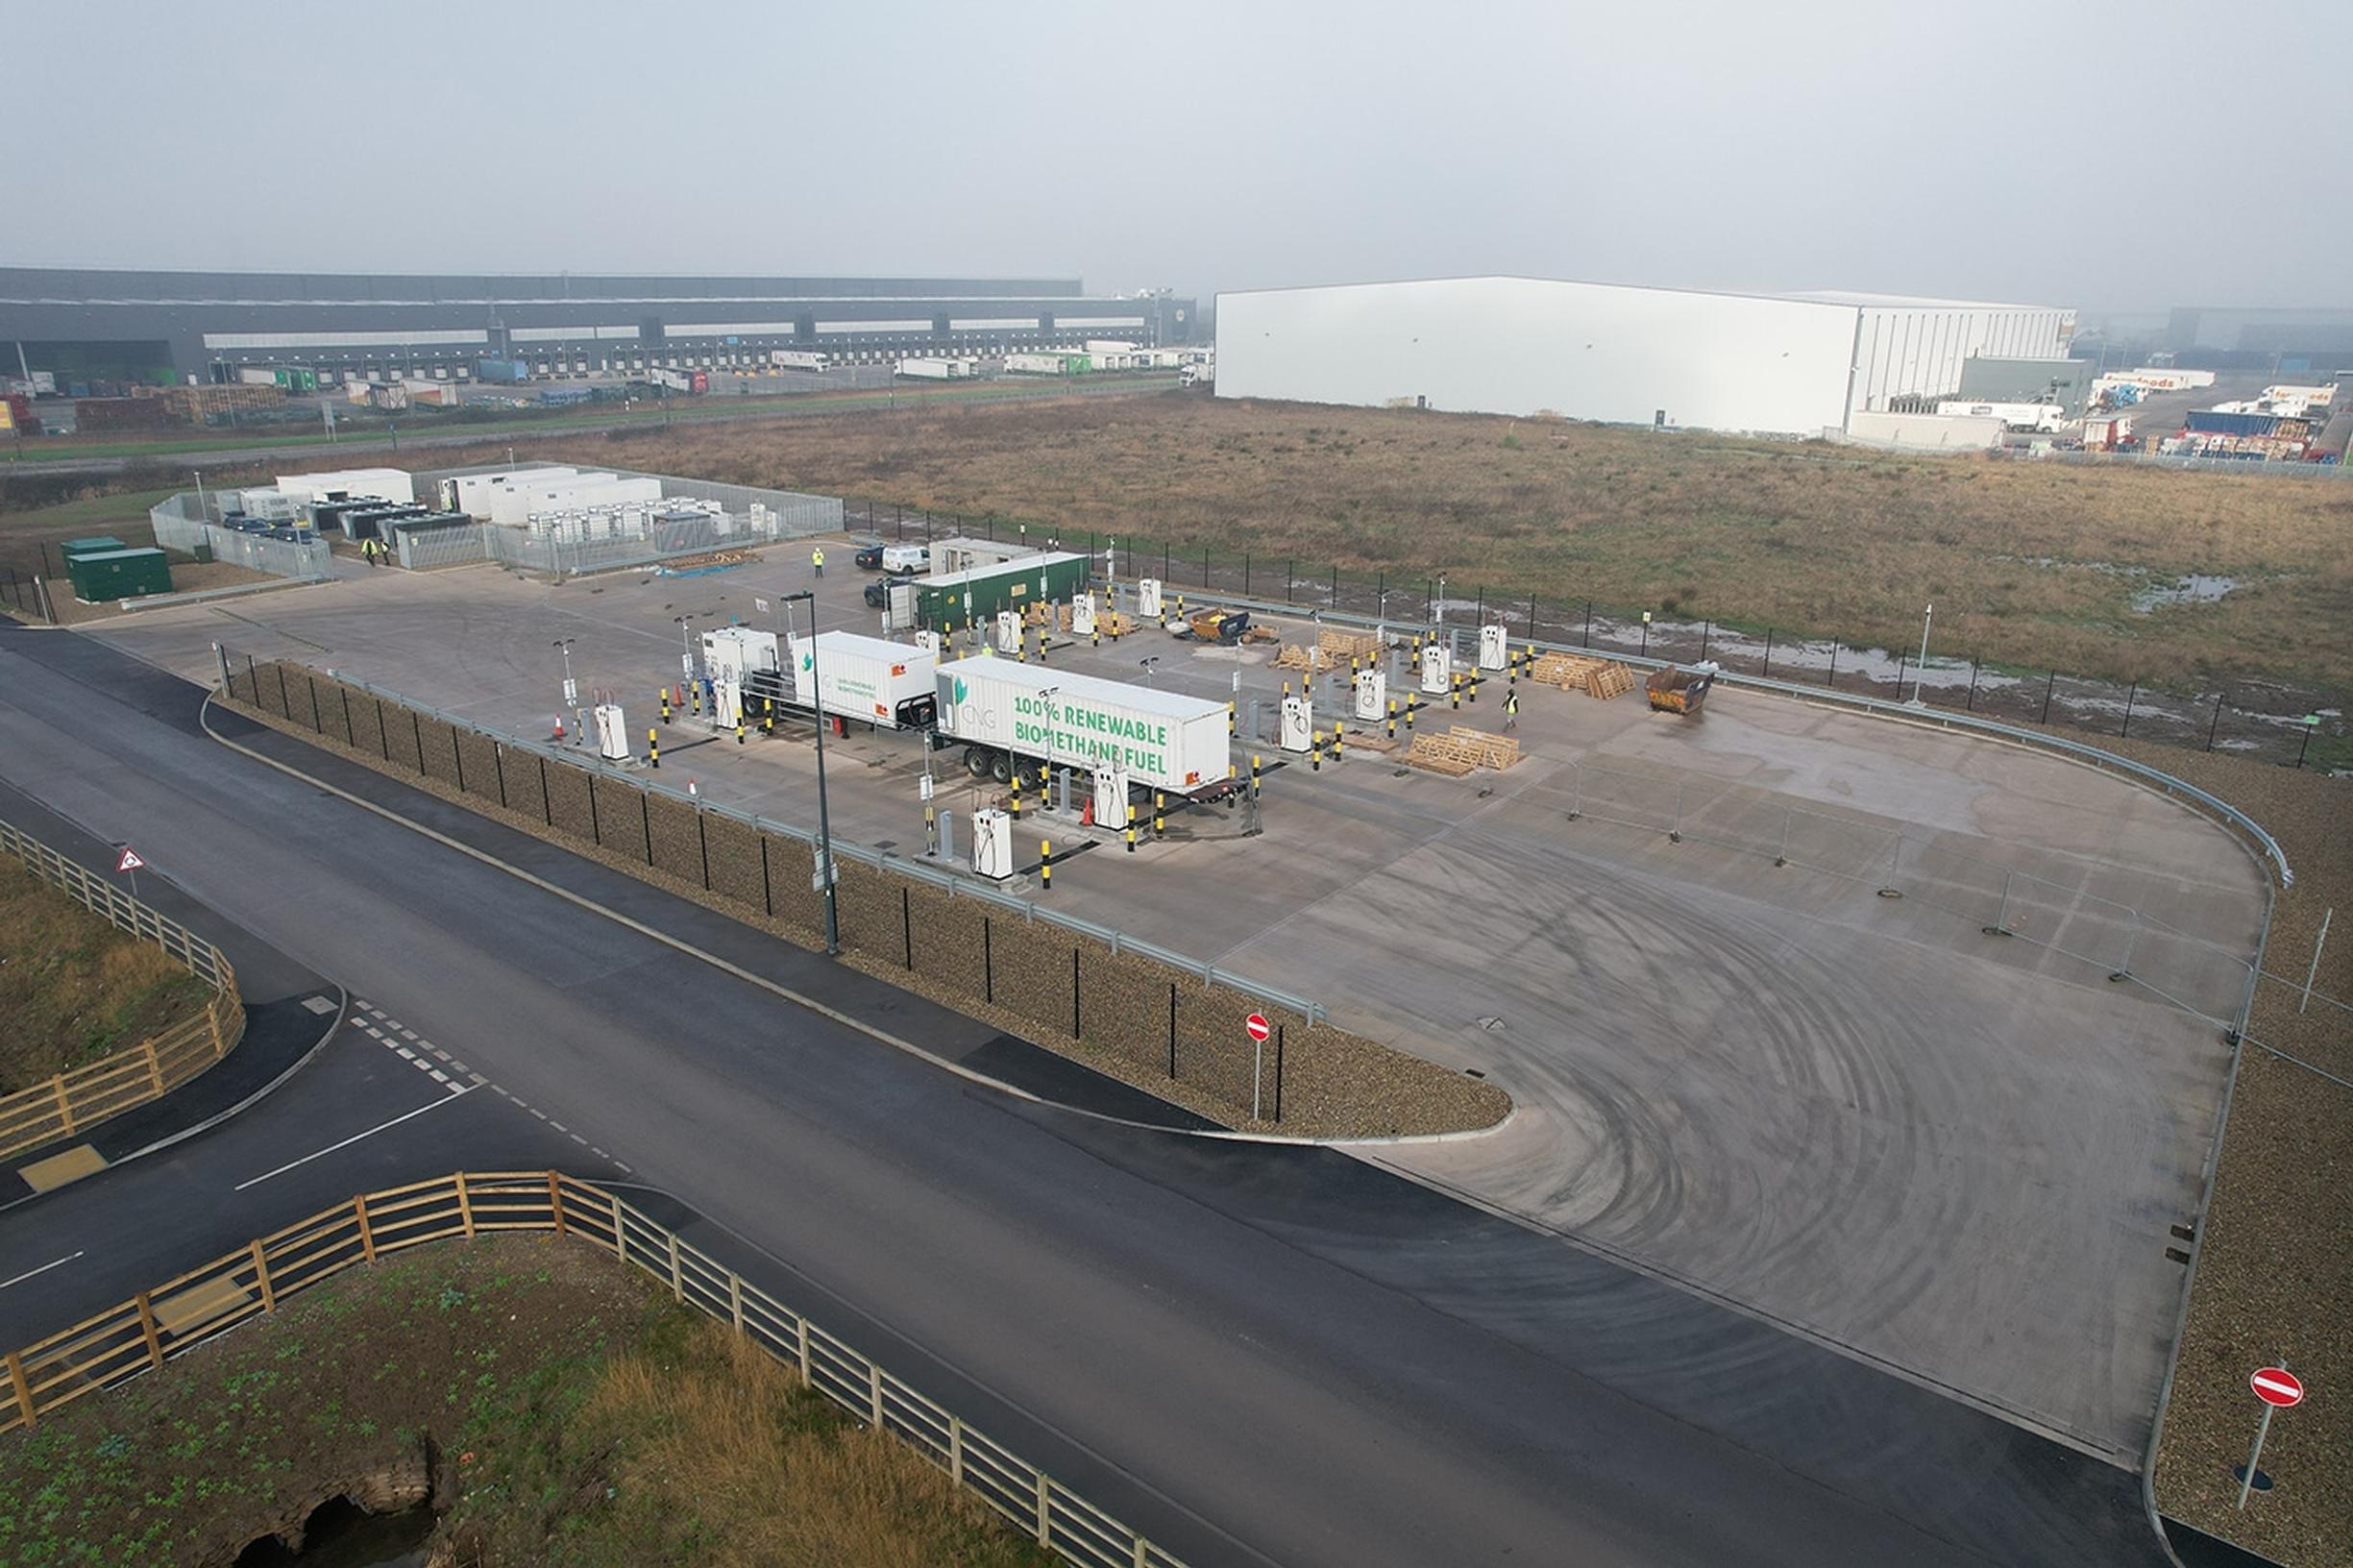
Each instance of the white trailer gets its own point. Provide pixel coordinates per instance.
(1002, 712)
(798, 360)
(888, 685)
(936, 368)
(2046, 417)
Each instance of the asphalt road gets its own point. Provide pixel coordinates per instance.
(1255, 1354)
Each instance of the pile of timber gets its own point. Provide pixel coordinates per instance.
(1603, 678)
(1295, 657)
(1496, 752)
(1348, 644)
(1442, 755)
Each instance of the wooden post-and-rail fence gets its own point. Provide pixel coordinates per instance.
(141, 1334)
(69, 1102)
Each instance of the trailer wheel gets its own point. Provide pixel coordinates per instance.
(1000, 767)
(976, 761)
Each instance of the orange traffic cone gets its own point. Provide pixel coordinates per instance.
(559, 728)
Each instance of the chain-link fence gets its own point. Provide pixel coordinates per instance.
(2251, 717)
(184, 522)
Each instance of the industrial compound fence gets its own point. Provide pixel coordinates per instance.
(2120, 939)
(141, 1334)
(184, 522)
(2250, 718)
(1168, 1017)
(607, 540)
(70, 1102)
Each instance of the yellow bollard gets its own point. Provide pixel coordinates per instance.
(1336, 740)
(653, 747)
(1392, 718)
(1229, 718)
(1254, 775)
(1131, 827)
(1045, 864)
(1016, 794)
(1160, 819)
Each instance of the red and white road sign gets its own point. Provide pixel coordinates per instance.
(131, 861)
(1260, 1029)
(2277, 1385)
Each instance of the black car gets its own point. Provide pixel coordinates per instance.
(878, 592)
(870, 556)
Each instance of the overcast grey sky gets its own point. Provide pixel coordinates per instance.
(2125, 157)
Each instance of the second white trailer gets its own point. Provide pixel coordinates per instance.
(872, 679)
(1003, 712)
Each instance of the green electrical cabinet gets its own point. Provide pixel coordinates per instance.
(1019, 583)
(102, 577)
(97, 545)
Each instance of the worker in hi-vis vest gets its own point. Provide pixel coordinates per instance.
(816, 561)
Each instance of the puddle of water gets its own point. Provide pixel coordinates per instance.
(2197, 588)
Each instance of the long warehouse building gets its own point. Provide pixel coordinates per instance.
(192, 328)
(1802, 364)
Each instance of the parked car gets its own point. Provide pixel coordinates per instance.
(878, 592)
(908, 558)
(870, 556)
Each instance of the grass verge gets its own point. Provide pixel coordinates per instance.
(72, 988)
(2033, 565)
(571, 1415)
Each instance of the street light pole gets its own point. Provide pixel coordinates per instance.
(571, 692)
(824, 821)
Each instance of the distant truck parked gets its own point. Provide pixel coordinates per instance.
(798, 360)
(2045, 418)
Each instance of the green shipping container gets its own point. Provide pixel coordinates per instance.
(106, 576)
(941, 601)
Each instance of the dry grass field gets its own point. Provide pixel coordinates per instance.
(2028, 564)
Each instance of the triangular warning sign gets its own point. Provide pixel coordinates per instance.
(131, 861)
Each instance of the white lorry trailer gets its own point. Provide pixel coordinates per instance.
(875, 682)
(1001, 711)
(2044, 417)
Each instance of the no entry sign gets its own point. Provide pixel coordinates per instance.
(2277, 1385)
(1260, 1029)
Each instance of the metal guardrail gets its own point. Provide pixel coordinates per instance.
(71, 1102)
(2157, 778)
(954, 885)
(141, 1334)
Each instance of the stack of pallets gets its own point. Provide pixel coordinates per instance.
(1496, 752)
(1603, 678)
(1348, 644)
(1442, 755)
(1295, 657)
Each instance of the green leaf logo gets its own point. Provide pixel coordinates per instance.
(963, 692)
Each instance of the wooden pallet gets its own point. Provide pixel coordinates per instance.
(1496, 752)
(1567, 671)
(1349, 645)
(1295, 657)
(1608, 681)
(1442, 755)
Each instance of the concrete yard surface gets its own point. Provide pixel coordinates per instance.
(1809, 1011)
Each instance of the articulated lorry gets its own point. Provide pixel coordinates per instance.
(1003, 712)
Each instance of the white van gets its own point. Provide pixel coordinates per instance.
(906, 559)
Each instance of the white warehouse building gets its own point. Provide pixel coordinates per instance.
(1801, 364)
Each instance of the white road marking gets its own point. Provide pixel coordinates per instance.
(453, 1094)
(43, 1269)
